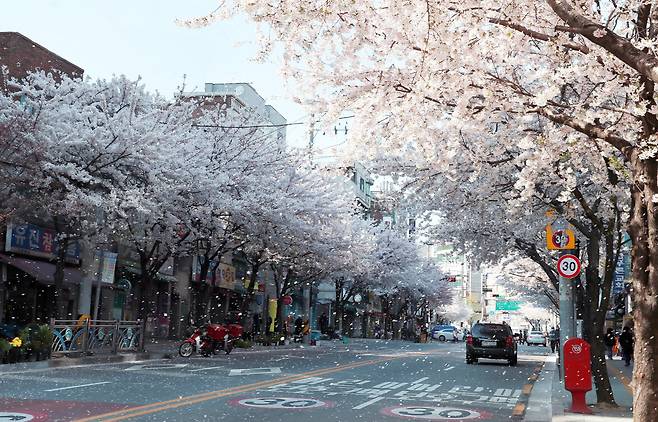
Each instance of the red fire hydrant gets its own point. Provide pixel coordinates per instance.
(577, 373)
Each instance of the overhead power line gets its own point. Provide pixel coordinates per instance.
(270, 125)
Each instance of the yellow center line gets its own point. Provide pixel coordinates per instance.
(197, 398)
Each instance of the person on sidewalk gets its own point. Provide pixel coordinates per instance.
(626, 341)
(323, 322)
(554, 337)
(609, 341)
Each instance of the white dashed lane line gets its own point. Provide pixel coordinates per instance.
(78, 386)
(368, 403)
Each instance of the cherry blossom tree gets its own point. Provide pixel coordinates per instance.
(586, 69)
(492, 216)
(83, 143)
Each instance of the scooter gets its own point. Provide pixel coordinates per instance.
(210, 339)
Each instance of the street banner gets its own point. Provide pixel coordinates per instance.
(109, 263)
(618, 283)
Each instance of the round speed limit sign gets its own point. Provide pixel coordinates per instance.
(568, 266)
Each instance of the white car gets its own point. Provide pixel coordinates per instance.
(536, 337)
(446, 334)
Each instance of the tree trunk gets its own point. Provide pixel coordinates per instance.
(58, 276)
(279, 315)
(339, 305)
(145, 296)
(594, 315)
(644, 233)
(202, 293)
(249, 296)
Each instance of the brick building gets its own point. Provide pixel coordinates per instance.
(20, 55)
(26, 248)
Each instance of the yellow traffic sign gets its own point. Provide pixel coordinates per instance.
(560, 239)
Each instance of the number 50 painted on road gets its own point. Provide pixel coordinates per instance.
(568, 266)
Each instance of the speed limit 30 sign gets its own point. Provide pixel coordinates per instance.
(568, 266)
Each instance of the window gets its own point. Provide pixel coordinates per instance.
(491, 330)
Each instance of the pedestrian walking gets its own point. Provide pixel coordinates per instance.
(554, 338)
(609, 342)
(626, 341)
(323, 322)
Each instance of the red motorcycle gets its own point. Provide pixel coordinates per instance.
(211, 338)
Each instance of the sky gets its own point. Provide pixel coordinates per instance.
(139, 38)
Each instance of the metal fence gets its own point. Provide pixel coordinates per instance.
(97, 336)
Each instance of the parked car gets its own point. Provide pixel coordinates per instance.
(536, 337)
(445, 334)
(440, 327)
(491, 341)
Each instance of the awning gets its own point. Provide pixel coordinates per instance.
(159, 276)
(44, 272)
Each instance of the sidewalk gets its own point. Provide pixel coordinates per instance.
(550, 389)
(549, 400)
(153, 350)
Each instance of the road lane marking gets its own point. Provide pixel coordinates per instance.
(368, 403)
(156, 366)
(233, 391)
(77, 386)
(254, 371)
(193, 399)
(207, 369)
(419, 380)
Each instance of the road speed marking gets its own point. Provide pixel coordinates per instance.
(20, 417)
(568, 266)
(281, 403)
(433, 413)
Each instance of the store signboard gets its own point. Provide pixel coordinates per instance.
(30, 239)
(223, 277)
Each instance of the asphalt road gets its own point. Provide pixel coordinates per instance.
(364, 381)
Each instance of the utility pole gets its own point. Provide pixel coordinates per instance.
(567, 298)
(567, 310)
(561, 238)
(99, 282)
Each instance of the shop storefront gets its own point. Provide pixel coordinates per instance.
(128, 288)
(27, 275)
(222, 300)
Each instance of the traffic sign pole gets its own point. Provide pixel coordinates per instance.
(567, 312)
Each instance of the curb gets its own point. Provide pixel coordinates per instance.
(85, 360)
(518, 413)
(622, 378)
